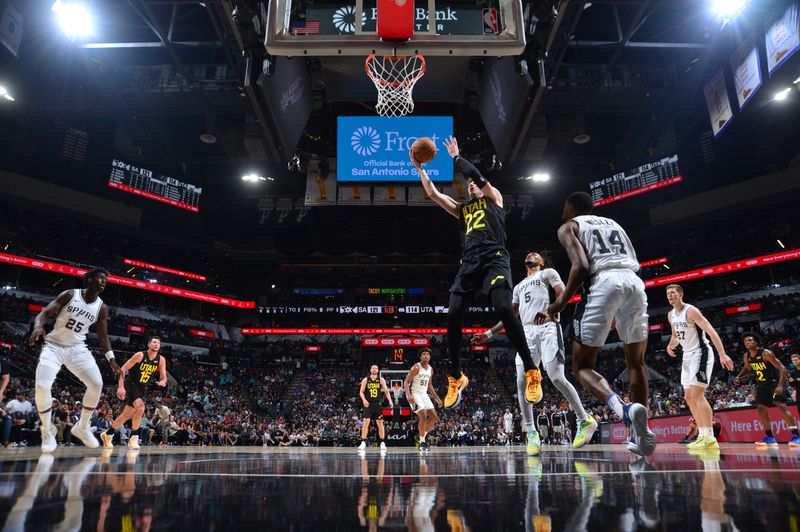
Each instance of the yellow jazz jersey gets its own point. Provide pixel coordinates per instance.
(763, 370)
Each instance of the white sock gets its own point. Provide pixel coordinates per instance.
(707, 432)
(422, 438)
(86, 415)
(615, 403)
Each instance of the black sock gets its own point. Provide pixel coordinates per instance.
(381, 439)
(794, 432)
(768, 433)
(110, 431)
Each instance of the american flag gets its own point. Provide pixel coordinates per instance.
(309, 27)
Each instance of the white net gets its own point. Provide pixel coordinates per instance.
(395, 77)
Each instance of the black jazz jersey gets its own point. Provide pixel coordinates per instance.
(373, 390)
(483, 225)
(142, 373)
(762, 369)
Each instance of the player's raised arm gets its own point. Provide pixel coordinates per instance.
(442, 200)
(470, 172)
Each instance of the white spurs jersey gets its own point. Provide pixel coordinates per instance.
(420, 382)
(689, 334)
(606, 243)
(533, 293)
(73, 320)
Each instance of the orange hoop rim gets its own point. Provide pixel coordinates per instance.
(408, 81)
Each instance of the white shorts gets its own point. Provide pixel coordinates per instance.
(422, 401)
(697, 367)
(613, 295)
(77, 358)
(546, 343)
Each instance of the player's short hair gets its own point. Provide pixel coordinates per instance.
(546, 258)
(678, 288)
(94, 272)
(154, 337)
(754, 335)
(425, 350)
(581, 201)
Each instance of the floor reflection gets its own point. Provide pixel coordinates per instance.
(601, 488)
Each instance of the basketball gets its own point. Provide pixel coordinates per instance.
(424, 150)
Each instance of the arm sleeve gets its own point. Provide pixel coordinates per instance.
(4, 367)
(469, 170)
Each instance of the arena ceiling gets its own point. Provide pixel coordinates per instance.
(159, 74)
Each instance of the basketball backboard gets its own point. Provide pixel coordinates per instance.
(454, 28)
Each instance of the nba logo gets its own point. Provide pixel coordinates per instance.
(490, 25)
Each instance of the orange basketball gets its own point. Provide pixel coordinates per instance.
(424, 150)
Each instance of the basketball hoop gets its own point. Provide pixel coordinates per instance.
(395, 77)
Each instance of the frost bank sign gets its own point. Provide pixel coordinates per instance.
(375, 149)
(467, 20)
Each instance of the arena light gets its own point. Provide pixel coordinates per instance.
(782, 95)
(540, 177)
(255, 178)
(781, 244)
(73, 19)
(727, 10)
(5, 94)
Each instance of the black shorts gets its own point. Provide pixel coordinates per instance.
(765, 394)
(133, 391)
(373, 411)
(483, 270)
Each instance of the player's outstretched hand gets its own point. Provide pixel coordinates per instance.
(162, 383)
(452, 146)
(121, 393)
(439, 403)
(479, 338)
(36, 336)
(671, 351)
(553, 309)
(414, 161)
(726, 362)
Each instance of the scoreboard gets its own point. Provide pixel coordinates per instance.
(148, 184)
(650, 176)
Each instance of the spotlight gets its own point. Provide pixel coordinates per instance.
(727, 10)
(782, 95)
(255, 178)
(4, 93)
(781, 244)
(540, 178)
(73, 18)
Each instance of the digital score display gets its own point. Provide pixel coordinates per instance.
(146, 183)
(645, 178)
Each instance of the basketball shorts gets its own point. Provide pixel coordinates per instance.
(765, 394)
(546, 343)
(483, 270)
(133, 391)
(613, 295)
(422, 401)
(76, 358)
(697, 367)
(373, 411)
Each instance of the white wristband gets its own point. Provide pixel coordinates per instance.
(488, 334)
(109, 355)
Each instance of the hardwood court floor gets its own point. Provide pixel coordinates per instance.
(600, 487)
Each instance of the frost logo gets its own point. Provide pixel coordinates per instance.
(344, 19)
(365, 141)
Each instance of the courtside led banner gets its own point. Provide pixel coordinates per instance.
(654, 262)
(155, 267)
(395, 342)
(375, 148)
(312, 331)
(64, 269)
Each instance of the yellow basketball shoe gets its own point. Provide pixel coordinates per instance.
(454, 389)
(533, 391)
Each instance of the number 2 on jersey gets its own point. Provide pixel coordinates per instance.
(473, 221)
(74, 325)
(613, 238)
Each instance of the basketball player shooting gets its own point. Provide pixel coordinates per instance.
(65, 345)
(485, 264)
